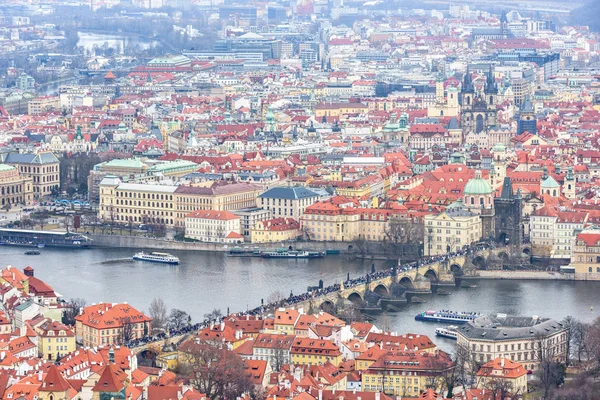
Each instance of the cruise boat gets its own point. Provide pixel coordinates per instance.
(156, 257)
(448, 332)
(282, 253)
(447, 316)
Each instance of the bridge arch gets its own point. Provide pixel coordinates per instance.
(406, 282)
(431, 275)
(355, 297)
(503, 256)
(479, 261)
(527, 251)
(382, 290)
(456, 269)
(147, 357)
(328, 307)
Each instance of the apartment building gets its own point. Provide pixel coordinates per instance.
(14, 188)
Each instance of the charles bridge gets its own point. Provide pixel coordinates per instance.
(421, 278)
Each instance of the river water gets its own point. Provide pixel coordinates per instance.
(205, 281)
(116, 41)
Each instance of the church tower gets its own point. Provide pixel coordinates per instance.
(479, 108)
(569, 187)
(527, 120)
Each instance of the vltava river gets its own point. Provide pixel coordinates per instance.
(205, 281)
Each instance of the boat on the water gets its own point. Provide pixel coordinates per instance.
(156, 257)
(32, 252)
(444, 292)
(447, 316)
(468, 285)
(447, 332)
(282, 253)
(240, 252)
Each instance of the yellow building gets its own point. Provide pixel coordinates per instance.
(450, 230)
(585, 260)
(218, 196)
(42, 168)
(275, 230)
(338, 109)
(309, 351)
(406, 374)
(167, 360)
(340, 220)
(285, 320)
(135, 202)
(43, 104)
(14, 188)
(106, 323)
(54, 339)
(504, 373)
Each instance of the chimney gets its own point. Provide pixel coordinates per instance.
(377, 396)
(502, 362)
(320, 394)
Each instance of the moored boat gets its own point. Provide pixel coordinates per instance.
(164, 258)
(282, 253)
(446, 316)
(32, 252)
(448, 332)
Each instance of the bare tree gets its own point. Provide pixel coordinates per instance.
(466, 363)
(276, 298)
(214, 370)
(400, 233)
(72, 310)
(550, 372)
(178, 319)
(502, 389)
(214, 315)
(127, 334)
(158, 313)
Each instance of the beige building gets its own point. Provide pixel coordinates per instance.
(107, 323)
(519, 339)
(585, 261)
(503, 373)
(213, 226)
(219, 196)
(275, 230)
(43, 168)
(450, 230)
(135, 202)
(14, 189)
(43, 104)
(342, 220)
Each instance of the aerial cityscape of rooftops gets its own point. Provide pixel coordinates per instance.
(387, 154)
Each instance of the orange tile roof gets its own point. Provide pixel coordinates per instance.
(107, 315)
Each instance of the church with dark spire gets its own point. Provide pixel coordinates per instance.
(479, 110)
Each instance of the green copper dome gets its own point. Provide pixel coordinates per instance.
(478, 185)
(499, 147)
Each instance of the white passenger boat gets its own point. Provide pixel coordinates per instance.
(156, 257)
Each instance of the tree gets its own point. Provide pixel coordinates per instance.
(276, 298)
(40, 218)
(550, 372)
(6, 207)
(401, 232)
(214, 315)
(466, 364)
(501, 388)
(127, 334)
(214, 370)
(72, 310)
(178, 319)
(158, 313)
(571, 325)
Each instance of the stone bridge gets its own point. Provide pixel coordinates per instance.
(419, 280)
(157, 346)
